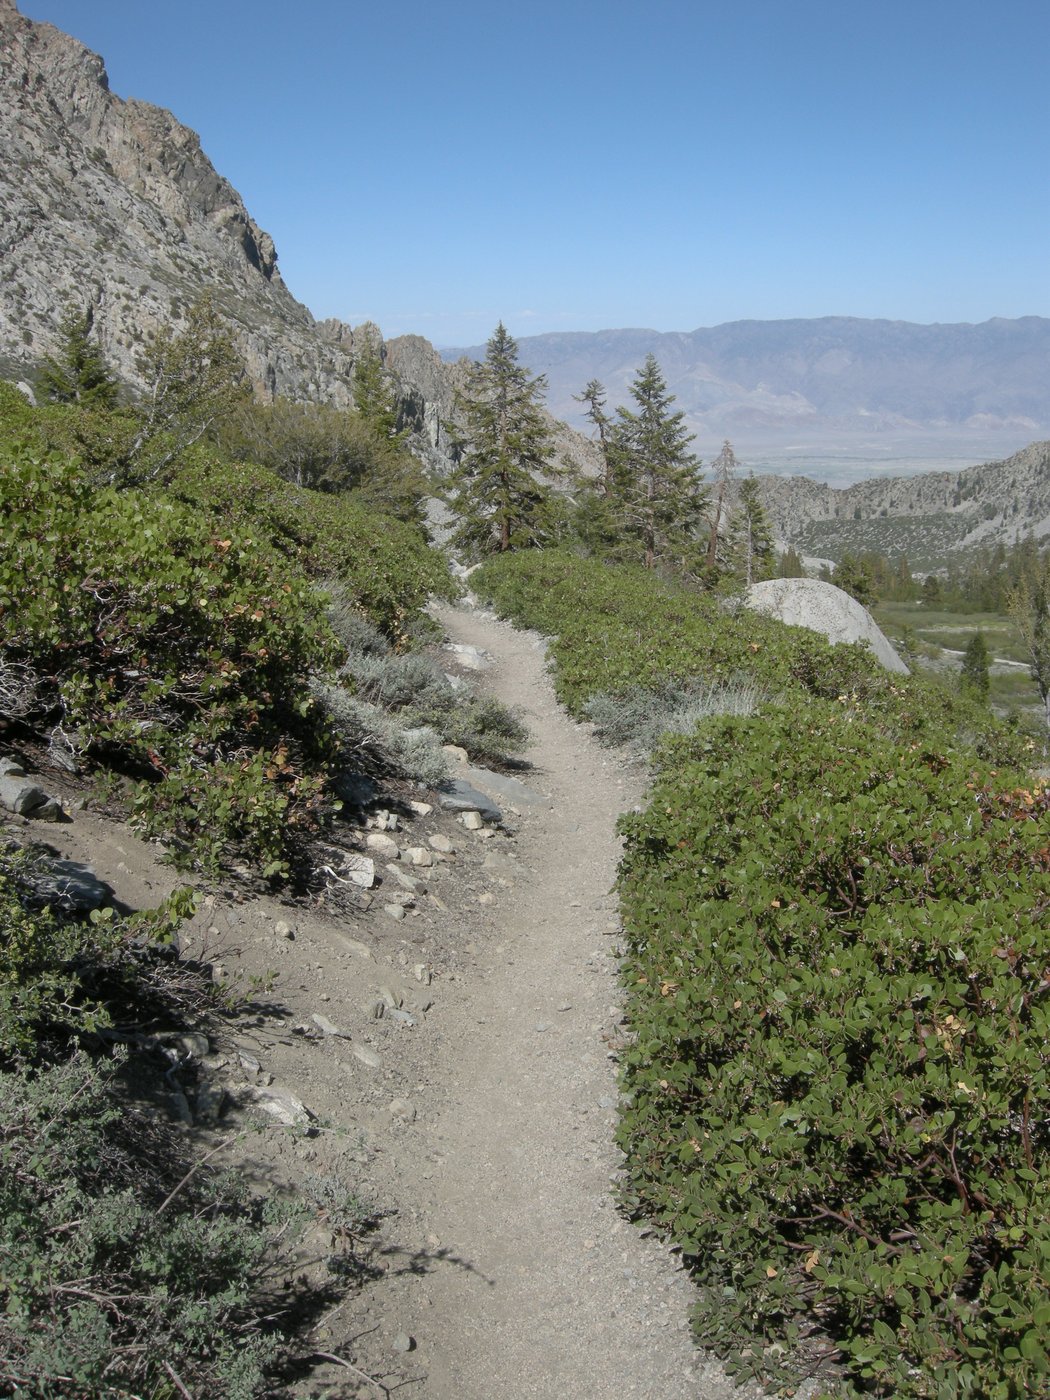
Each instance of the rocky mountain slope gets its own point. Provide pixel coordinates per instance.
(115, 203)
(927, 517)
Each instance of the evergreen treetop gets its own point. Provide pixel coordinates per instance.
(655, 476)
(499, 489)
(77, 373)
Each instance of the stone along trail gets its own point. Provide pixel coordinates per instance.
(553, 1293)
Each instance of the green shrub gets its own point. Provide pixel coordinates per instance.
(618, 629)
(60, 974)
(838, 1099)
(110, 1285)
(167, 648)
(384, 565)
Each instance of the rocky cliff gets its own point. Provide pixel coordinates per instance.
(115, 203)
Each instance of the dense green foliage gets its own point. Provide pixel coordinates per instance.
(838, 1098)
(173, 634)
(836, 1093)
(176, 654)
(617, 628)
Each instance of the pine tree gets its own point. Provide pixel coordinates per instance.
(853, 575)
(752, 536)
(593, 395)
(374, 396)
(973, 677)
(500, 487)
(193, 378)
(790, 565)
(77, 373)
(719, 545)
(655, 478)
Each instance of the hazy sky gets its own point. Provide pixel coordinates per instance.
(590, 164)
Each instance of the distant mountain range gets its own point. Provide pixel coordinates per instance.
(810, 395)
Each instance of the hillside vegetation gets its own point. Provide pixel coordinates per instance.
(184, 647)
(836, 1097)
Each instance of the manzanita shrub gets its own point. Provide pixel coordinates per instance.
(172, 651)
(838, 1095)
(384, 565)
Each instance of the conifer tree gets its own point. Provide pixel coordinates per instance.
(593, 395)
(194, 378)
(790, 564)
(753, 539)
(854, 577)
(655, 477)
(719, 543)
(374, 396)
(500, 487)
(77, 373)
(973, 677)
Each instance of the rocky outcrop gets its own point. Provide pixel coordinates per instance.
(944, 511)
(114, 202)
(807, 602)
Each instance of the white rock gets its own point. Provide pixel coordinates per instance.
(454, 752)
(419, 855)
(283, 1106)
(471, 820)
(383, 845)
(442, 843)
(809, 602)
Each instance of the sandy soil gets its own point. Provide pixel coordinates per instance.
(480, 1118)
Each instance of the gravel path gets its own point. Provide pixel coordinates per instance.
(560, 1296)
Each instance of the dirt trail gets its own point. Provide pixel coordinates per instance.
(483, 1124)
(560, 1297)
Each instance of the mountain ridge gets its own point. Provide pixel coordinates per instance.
(796, 387)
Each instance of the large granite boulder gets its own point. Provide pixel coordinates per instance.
(808, 602)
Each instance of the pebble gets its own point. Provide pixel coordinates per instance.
(283, 929)
(442, 843)
(366, 1056)
(404, 1343)
(487, 898)
(327, 1027)
(394, 911)
(471, 820)
(419, 855)
(403, 1109)
(383, 845)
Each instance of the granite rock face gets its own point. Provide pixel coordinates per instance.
(808, 602)
(113, 203)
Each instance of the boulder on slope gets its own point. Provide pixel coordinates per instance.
(809, 602)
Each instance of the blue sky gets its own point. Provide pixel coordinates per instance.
(582, 165)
